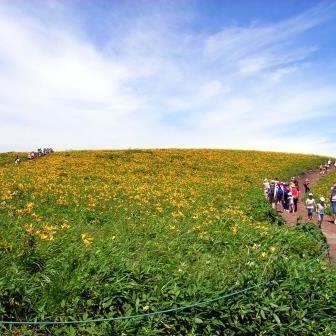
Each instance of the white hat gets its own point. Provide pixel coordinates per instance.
(310, 194)
(322, 199)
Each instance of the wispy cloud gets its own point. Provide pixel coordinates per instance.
(155, 83)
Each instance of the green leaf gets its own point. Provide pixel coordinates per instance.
(276, 317)
(198, 320)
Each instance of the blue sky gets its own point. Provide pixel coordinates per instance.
(119, 74)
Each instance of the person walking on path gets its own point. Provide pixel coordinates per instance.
(321, 169)
(285, 201)
(320, 209)
(279, 197)
(333, 201)
(326, 168)
(306, 185)
(290, 202)
(310, 206)
(295, 194)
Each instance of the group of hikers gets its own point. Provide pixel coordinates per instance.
(321, 206)
(284, 196)
(35, 154)
(325, 167)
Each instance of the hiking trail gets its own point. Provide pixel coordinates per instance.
(328, 227)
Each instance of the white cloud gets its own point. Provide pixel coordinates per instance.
(153, 85)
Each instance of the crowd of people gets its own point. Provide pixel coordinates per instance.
(40, 152)
(35, 154)
(325, 167)
(284, 196)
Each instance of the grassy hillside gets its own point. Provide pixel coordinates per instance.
(93, 234)
(323, 188)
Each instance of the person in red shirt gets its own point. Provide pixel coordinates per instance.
(295, 193)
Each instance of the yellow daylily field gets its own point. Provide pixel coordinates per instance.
(89, 234)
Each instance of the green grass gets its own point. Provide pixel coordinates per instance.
(169, 228)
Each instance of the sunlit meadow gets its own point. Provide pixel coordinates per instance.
(89, 234)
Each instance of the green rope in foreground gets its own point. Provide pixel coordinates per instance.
(265, 283)
(160, 312)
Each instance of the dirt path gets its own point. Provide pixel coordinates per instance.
(328, 227)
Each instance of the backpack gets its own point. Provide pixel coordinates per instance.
(280, 193)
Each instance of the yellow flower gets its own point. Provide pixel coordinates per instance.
(87, 239)
(29, 228)
(65, 226)
(255, 246)
(234, 230)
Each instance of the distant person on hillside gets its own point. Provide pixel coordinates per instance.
(335, 164)
(321, 169)
(295, 194)
(306, 185)
(329, 162)
(333, 201)
(326, 167)
(17, 160)
(310, 206)
(320, 209)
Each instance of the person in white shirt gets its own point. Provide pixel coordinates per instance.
(310, 206)
(290, 202)
(320, 209)
(17, 160)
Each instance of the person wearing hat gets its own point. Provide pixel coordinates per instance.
(306, 185)
(333, 201)
(310, 206)
(296, 194)
(290, 202)
(320, 209)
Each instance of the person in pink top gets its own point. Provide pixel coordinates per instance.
(295, 194)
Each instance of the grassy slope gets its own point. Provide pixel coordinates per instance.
(323, 188)
(161, 228)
